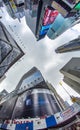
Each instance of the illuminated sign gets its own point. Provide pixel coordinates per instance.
(67, 113)
(58, 7)
(77, 6)
(49, 16)
(44, 29)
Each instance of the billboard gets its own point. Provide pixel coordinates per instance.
(35, 103)
(60, 9)
(68, 113)
(49, 16)
(63, 4)
(59, 26)
(44, 29)
(77, 6)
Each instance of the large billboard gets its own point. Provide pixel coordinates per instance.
(77, 6)
(60, 8)
(49, 17)
(63, 4)
(35, 103)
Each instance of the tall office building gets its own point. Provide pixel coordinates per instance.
(15, 8)
(48, 14)
(41, 15)
(60, 25)
(71, 72)
(70, 46)
(34, 104)
(10, 52)
(63, 104)
(31, 98)
(31, 7)
(66, 18)
(45, 15)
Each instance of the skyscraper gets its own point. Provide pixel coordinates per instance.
(15, 8)
(34, 104)
(71, 72)
(31, 98)
(3, 93)
(63, 104)
(10, 52)
(70, 46)
(60, 25)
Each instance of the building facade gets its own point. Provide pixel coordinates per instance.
(15, 8)
(32, 98)
(34, 104)
(70, 46)
(63, 104)
(71, 72)
(60, 25)
(10, 52)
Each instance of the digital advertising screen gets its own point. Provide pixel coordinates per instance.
(60, 9)
(49, 16)
(44, 29)
(77, 6)
(43, 32)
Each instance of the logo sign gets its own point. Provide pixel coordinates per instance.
(68, 113)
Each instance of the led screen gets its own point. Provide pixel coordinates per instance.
(58, 7)
(77, 7)
(49, 16)
(44, 29)
(58, 22)
(32, 80)
(64, 5)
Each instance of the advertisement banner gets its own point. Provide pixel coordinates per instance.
(58, 7)
(25, 126)
(68, 113)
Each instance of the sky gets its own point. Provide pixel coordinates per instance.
(40, 54)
